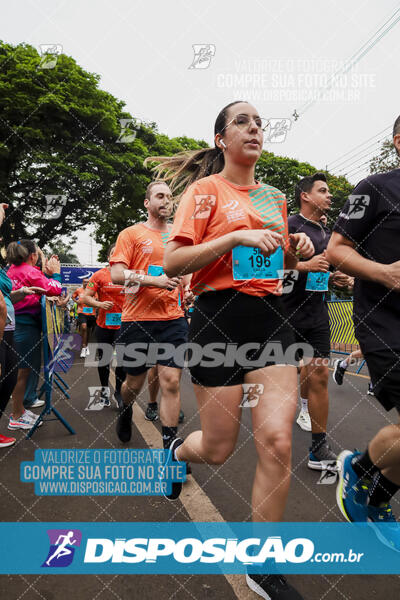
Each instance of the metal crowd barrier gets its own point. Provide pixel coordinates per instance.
(55, 360)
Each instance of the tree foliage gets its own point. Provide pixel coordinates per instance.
(63, 252)
(386, 160)
(284, 173)
(60, 135)
(126, 206)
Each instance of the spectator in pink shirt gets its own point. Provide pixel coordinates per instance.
(22, 256)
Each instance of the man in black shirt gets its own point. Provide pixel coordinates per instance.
(365, 244)
(308, 312)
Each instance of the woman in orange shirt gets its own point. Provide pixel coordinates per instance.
(231, 232)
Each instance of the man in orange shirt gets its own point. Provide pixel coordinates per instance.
(152, 318)
(109, 302)
(86, 317)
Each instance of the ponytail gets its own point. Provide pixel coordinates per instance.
(183, 169)
(19, 252)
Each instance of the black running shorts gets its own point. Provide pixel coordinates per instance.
(90, 320)
(238, 333)
(318, 338)
(384, 370)
(148, 343)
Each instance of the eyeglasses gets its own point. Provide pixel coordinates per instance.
(243, 122)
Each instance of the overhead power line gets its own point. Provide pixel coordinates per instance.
(330, 165)
(358, 167)
(357, 56)
(372, 150)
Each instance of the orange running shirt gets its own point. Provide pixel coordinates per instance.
(140, 247)
(106, 290)
(212, 207)
(77, 295)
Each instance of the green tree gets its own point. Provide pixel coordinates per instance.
(386, 160)
(58, 138)
(126, 207)
(66, 163)
(284, 173)
(63, 252)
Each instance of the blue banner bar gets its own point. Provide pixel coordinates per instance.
(75, 275)
(196, 548)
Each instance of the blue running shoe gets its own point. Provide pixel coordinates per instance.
(351, 491)
(389, 534)
(176, 485)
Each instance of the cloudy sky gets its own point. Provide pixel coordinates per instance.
(322, 59)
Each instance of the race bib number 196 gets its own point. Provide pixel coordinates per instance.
(250, 263)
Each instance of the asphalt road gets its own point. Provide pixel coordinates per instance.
(225, 494)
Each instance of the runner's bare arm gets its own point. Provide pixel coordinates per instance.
(316, 264)
(186, 280)
(341, 252)
(77, 299)
(181, 259)
(300, 247)
(121, 275)
(89, 300)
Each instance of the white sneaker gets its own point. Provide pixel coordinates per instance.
(36, 403)
(33, 416)
(83, 353)
(303, 420)
(87, 350)
(26, 421)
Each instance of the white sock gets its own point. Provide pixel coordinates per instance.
(304, 404)
(343, 364)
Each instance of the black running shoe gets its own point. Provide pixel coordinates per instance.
(181, 416)
(176, 485)
(370, 391)
(119, 403)
(105, 396)
(338, 373)
(322, 459)
(272, 587)
(124, 424)
(151, 413)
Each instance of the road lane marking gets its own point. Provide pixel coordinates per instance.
(194, 500)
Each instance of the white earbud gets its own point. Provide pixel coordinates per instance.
(223, 144)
